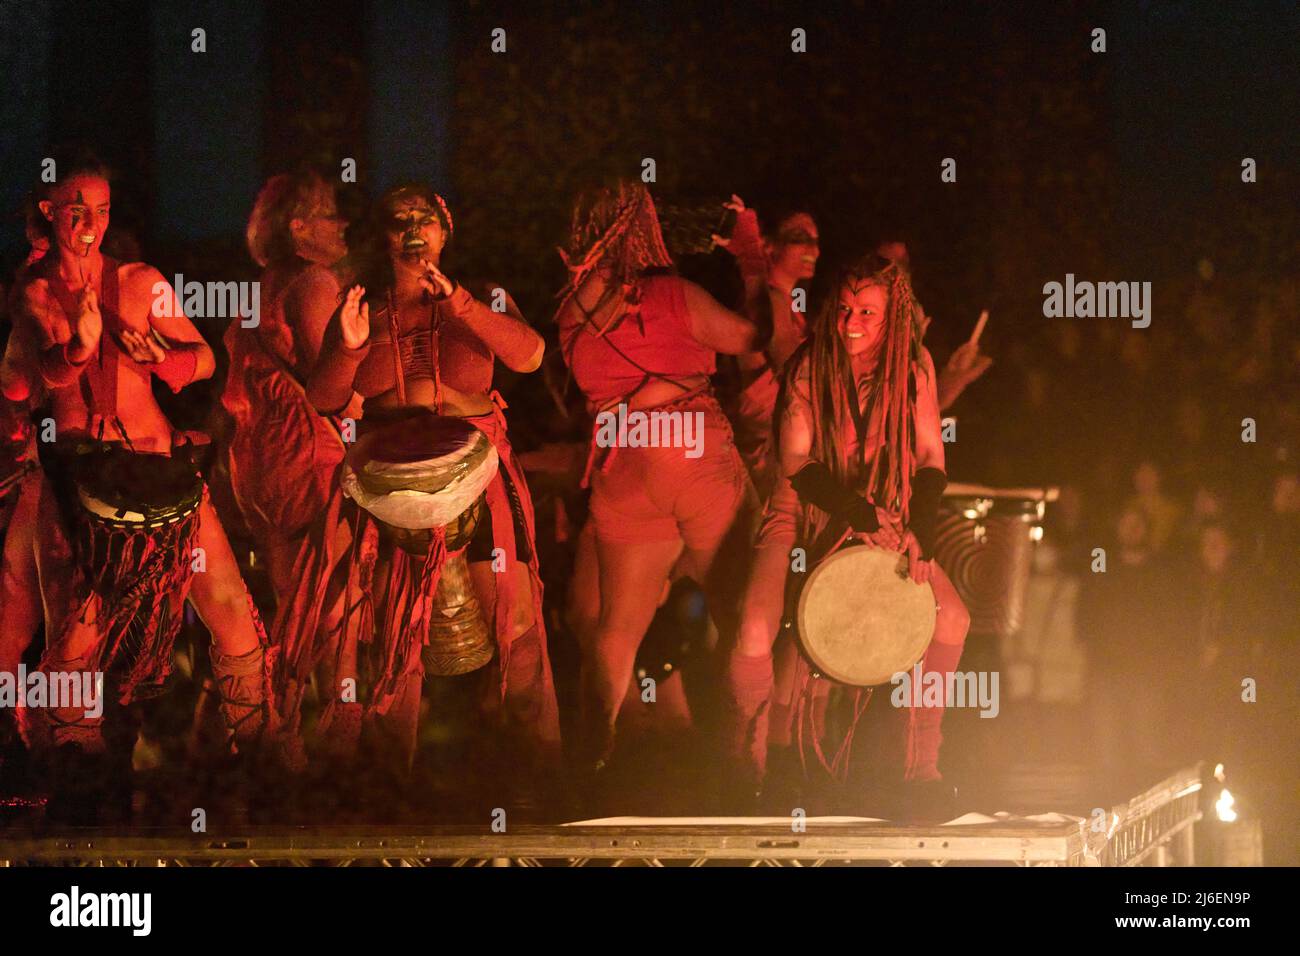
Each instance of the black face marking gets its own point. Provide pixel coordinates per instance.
(80, 200)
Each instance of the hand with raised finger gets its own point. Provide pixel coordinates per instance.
(967, 362)
(434, 282)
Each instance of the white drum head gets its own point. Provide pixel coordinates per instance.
(860, 621)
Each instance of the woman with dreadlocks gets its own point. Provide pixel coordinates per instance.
(640, 341)
(860, 449)
(447, 343)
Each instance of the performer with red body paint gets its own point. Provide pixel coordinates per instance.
(21, 480)
(447, 342)
(640, 339)
(284, 457)
(792, 247)
(870, 460)
(100, 331)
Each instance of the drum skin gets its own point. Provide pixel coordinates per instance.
(860, 620)
(420, 472)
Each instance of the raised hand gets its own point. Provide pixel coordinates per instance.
(434, 282)
(354, 319)
(745, 234)
(967, 363)
(89, 324)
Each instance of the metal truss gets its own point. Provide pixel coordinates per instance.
(1148, 829)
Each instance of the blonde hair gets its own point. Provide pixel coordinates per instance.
(282, 199)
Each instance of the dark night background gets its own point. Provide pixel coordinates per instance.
(1123, 165)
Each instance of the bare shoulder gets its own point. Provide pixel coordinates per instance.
(317, 279)
(316, 284)
(693, 293)
(141, 281)
(142, 291)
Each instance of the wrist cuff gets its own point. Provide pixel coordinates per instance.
(815, 484)
(923, 509)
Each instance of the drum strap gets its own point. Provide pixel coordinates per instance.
(104, 391)
(99, 384)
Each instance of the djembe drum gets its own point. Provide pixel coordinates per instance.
(985, 544)
(861, 619)
(133, 519)
(418, 474)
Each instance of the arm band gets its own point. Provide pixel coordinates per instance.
(815, 484)
(177, 368)
(923, 509)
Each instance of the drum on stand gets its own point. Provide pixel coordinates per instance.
(985, 544)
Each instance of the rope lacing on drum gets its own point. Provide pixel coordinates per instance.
(805, 712)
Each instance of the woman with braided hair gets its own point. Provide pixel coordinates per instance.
(860, 448)
(639, 339)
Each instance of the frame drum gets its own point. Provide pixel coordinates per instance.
(861, 619)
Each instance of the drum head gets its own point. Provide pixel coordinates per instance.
(422, 471)
(860, 622)
(115, 483)
(421, 452)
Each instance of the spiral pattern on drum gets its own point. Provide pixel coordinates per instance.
(991, 574)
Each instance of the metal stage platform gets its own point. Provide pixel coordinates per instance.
(1154, 828)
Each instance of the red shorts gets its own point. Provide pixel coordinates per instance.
(661, 494)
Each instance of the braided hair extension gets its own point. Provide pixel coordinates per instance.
(614, 227)
(834, 396)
